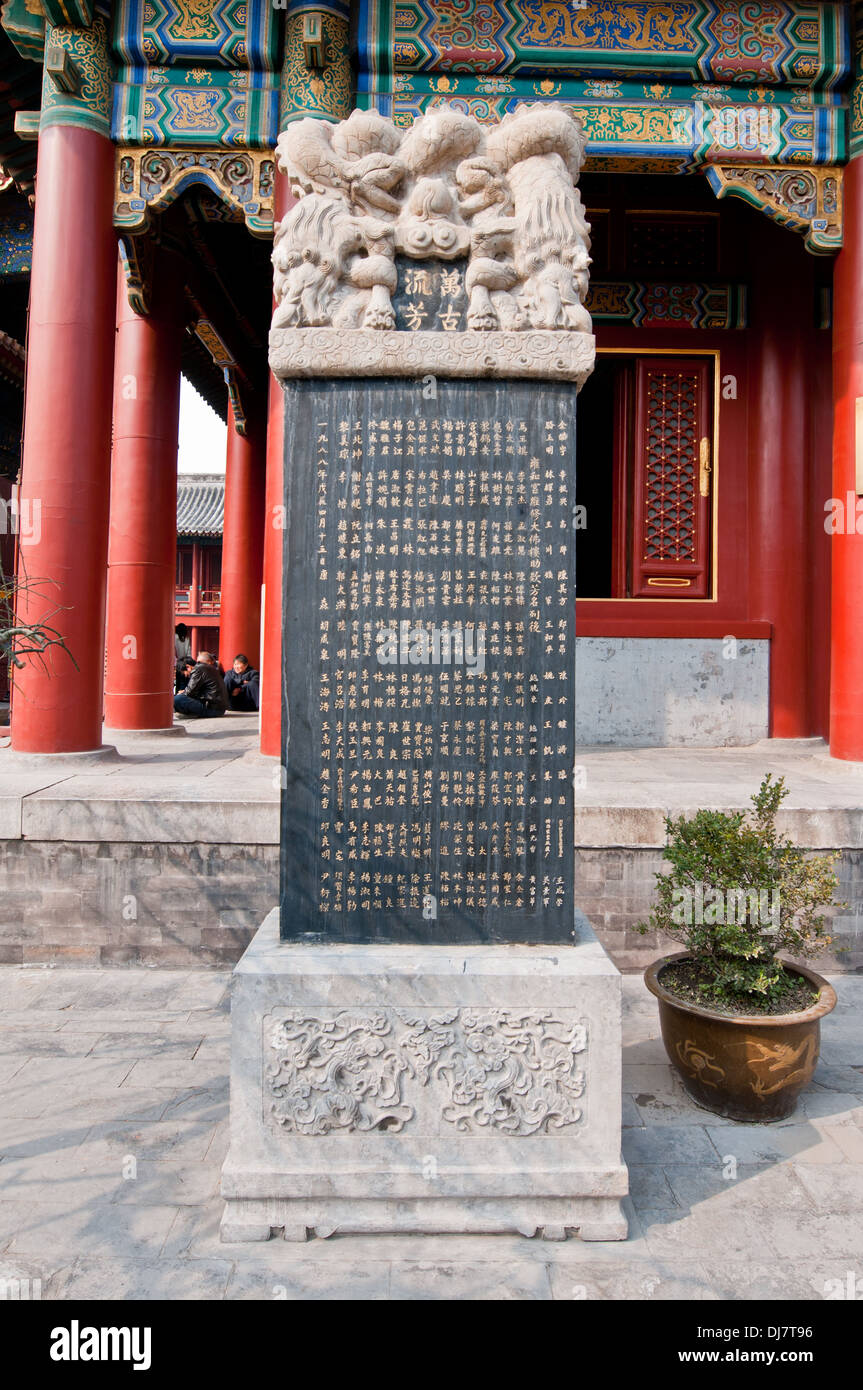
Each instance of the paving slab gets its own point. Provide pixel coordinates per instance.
(832, 1190)
(761, 1281)
(745, 1186)
(435, 1279)
(772, 1143)
(657, 1282)
(812, 1235)
(98, 1229)
(133, 1280)
(368, 1282)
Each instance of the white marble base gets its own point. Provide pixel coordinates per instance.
(544, 353)
(424, 1089)
(76, 762)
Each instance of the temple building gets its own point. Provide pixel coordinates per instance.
(198, 594)
(720, 443)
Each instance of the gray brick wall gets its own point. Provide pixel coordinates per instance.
(188, 905)
(132, 904)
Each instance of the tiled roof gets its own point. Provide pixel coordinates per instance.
(200, 504)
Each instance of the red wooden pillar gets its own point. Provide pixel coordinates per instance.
(242, 543)
(271, 656)
(67, 440)
(143, 535)
(779, 475)
(195, 590)
(846, 644)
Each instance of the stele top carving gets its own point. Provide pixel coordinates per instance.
(503, 197)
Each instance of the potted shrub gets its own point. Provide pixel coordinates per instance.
(740, 1025)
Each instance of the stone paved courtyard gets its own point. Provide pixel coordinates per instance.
(113, 1126)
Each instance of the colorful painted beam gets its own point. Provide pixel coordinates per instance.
(664, 133)
(182, 106)
(88, 53)
(78, 13)
(707, 40)
(16, 247)
(25, 28)
(667, 305)
(227, 33)
(326, 92)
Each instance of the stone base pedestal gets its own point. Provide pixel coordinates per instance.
(424, 1089)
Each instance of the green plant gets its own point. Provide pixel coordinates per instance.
(20, 640)
(737, 893)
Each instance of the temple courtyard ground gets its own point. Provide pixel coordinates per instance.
(113, 1127)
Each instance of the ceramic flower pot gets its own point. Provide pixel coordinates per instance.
(745, 1067)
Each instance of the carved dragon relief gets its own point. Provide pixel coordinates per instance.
(510, 1071)
(502, 199)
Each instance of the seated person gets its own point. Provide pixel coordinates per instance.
(243, 685)
(182, 642)
(205, 696)
(184, 668)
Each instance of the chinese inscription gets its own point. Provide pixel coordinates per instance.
(429, 659)
(431, 295)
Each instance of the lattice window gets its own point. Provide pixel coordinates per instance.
(668, 245)
(671, 471)
(671, 515)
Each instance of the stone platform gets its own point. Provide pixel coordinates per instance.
(167, 853)
(424, 1090)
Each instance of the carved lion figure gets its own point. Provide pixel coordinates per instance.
(505, 197)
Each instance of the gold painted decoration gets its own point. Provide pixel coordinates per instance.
(216, 346)
(701, 1066)
(780, 1064)
(148, 181)
(194, 20)
(807, 200)
(90, 106)
(325, 92)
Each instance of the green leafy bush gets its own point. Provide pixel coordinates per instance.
(738, 893)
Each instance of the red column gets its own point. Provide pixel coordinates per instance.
(242, 543)
(846, 647)
(779, 476)
(67, 440)
(195, 590)
(271, 657)
(143, 536)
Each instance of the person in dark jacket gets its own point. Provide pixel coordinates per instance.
(205, 696)
(243, 684)
(183, 670)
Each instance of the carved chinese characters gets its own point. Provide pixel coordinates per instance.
(430, 689)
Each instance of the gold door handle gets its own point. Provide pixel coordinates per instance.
(704, 467)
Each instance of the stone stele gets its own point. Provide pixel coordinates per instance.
(428, 1088)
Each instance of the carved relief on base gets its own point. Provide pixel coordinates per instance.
(505, 1071)
(312, 352)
